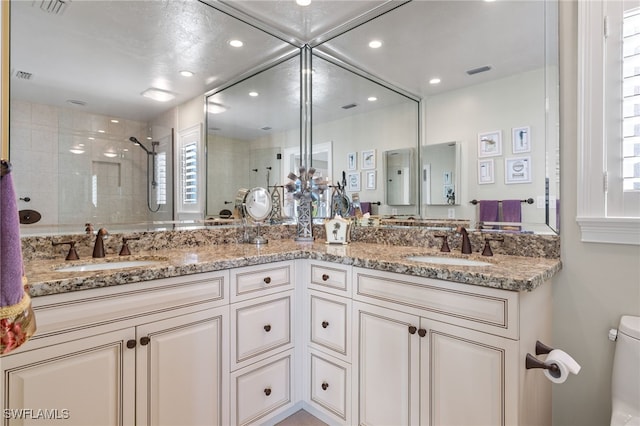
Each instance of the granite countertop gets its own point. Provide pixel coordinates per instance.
(513, 273)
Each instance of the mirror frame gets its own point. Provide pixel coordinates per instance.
(4, 84)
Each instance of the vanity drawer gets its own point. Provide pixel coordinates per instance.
(260, 327)
(330, 323)
(262, 389)
(330, 386)
(255, 281)
(481, 308)
(330, 277)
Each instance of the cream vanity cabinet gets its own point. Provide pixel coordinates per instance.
(147, 353)
(433, 352)
(262, 318)
(328, 331)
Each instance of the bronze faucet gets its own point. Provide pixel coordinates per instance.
(466, 244)
(98, 248)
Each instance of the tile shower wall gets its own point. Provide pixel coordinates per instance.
(77, 167)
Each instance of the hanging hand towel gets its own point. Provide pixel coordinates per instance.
(488, 212)
(17, 321)
(512, 212)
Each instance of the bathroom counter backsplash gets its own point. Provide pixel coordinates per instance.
(516, 273)
(515, 244)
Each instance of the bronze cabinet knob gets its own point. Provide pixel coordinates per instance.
(267, 391)
(325, 324)
(267, 328)
(144, 341)
(413, 329)
(325, 385)
(422, 332)
(267, 280)
(131, 344)
(325, 277)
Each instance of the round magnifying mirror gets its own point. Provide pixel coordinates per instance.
(257, 204)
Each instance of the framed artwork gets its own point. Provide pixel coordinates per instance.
(369, 159)
(485, 172)
(517, 170)
(490, 144)
(371, 180)
(352, 161)
(353, 181)
(521, 139)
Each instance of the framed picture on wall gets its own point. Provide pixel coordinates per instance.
(369, 159)
(353, 181)
(371, 180)
(485, 172)
(517, 170)
(352, 161)
(490, 144)
(521, 139)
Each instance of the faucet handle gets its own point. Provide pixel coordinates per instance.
(487, 246)
(445, 245)
(73, 254)
(124, 251)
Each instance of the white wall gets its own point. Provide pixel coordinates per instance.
(598, 282)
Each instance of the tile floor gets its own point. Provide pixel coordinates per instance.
(301, 418)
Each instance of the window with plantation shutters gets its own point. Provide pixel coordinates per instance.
(609, 121)
(190, 170)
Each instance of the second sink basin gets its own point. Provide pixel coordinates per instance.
(448, 261)
(107, 265)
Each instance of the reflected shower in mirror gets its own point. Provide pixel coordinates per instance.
(250, 127)
(440, 174)
(400, 177)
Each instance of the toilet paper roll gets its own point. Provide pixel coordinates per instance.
(566, 365)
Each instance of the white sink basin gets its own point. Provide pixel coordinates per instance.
(448, 260)
(108, 265)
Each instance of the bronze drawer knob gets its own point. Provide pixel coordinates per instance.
(267, 280)
(267, 328)
(267, 391)
(325, 277)
(325, 324)
(325, 385)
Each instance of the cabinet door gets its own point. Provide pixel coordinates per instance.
(469, 377)
(182, 370)
(387, 362)
(89, 381)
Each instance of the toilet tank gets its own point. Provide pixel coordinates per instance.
(625, 390)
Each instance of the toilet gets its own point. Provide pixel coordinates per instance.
(625, 383)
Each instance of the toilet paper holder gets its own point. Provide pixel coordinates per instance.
(533, 362)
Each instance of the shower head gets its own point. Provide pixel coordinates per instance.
(137, 142)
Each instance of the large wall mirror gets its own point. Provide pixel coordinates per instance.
(496, 62)
(79, 91)
(252, 126)
(483, 70)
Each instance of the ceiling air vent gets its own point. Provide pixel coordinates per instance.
(23, 75)
(349, 106)
(479, 70)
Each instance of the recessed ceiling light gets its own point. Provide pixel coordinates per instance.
(158, 95)
(115, 121)
(236, 43)
(303, 2)
(215, 108)
(253, 94)
(91, 138)
(110, 154)
(372, 99)
(186, 73)
(434, 81)
(76, 150)
(374, 44)
(100, 131)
